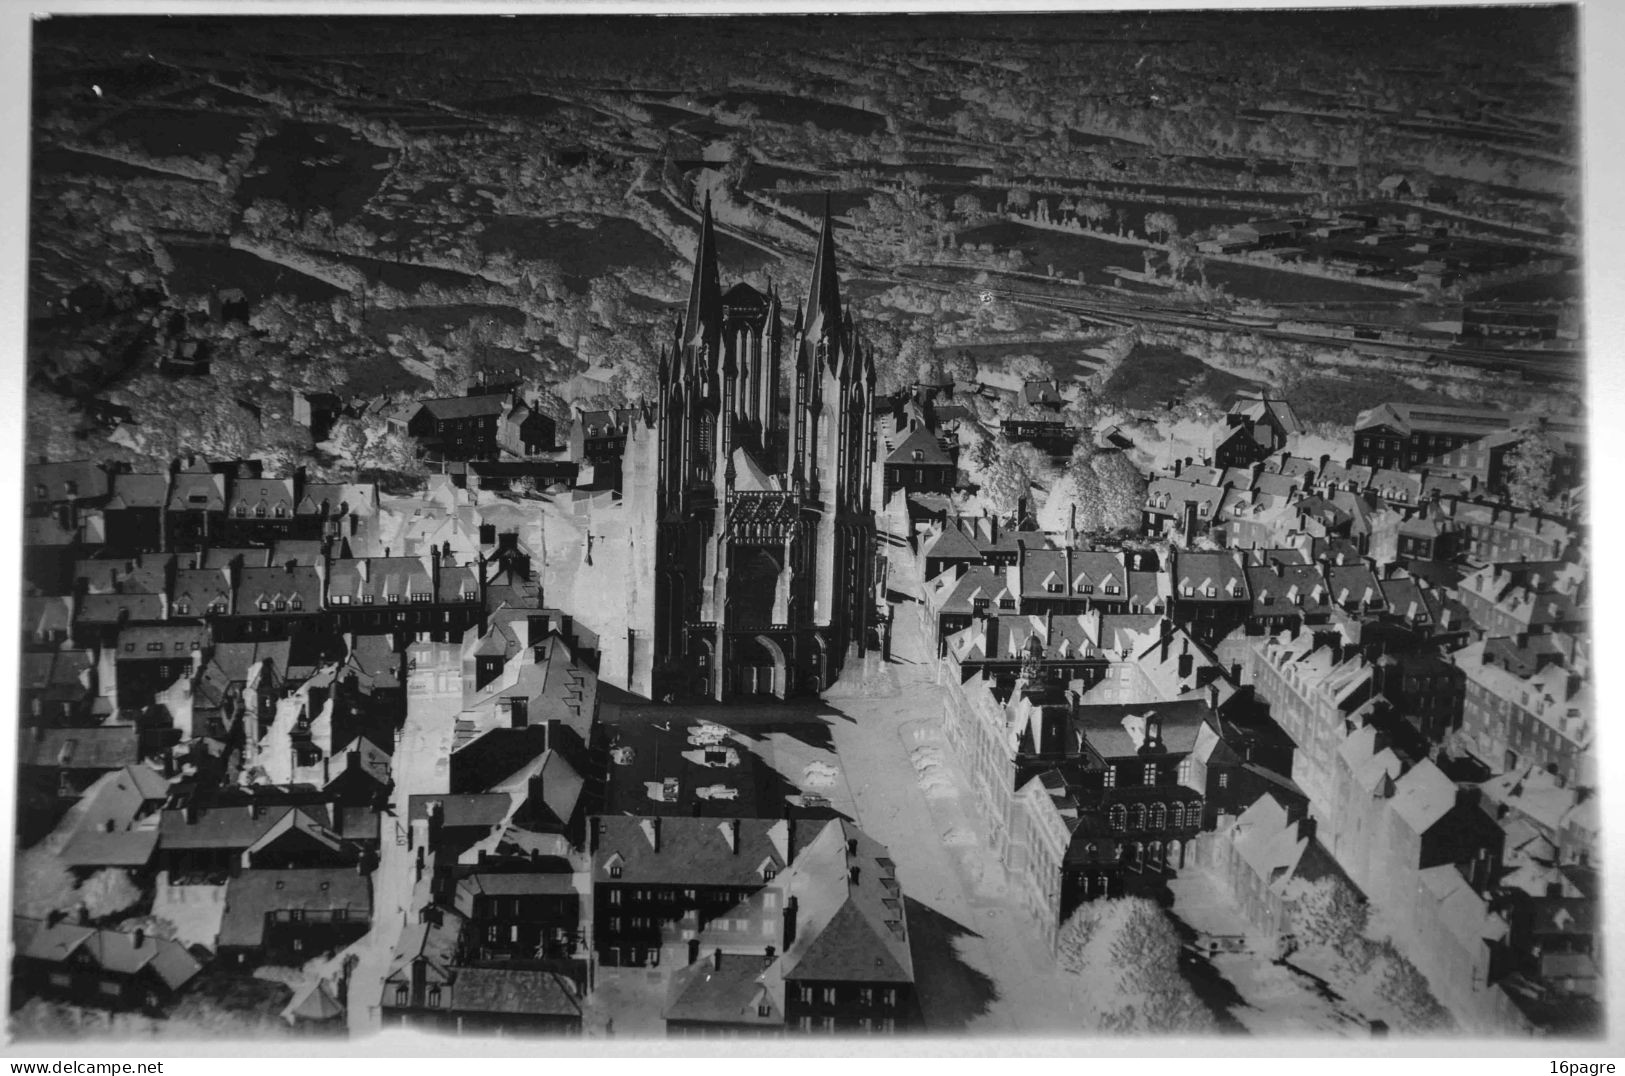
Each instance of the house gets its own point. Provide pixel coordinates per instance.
(919, 465)
(657, 881)
(1527, 703)
(271, 603)
(210, 845)
(527, 431)
(1267, 858)
(133, 514)
(822, 947)
(600, 436)
(1314, 686)
(430, 986)
(117, 824)
(1210, 597)
(57, 766)
(521, 914)
(289, 916)
(1526, 598)
(258, 511)
(316, 411)
(460, 427)
(1469, 443)
(96, 967)
(197, 505)
(1254, 429)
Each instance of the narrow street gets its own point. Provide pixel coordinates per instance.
(425, 741)
(980, 967)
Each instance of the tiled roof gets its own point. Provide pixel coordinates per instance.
(456, 407)
(100, 747)
(513, 991)
(112, 950)
(139, 491)
(692, 850)
(921, 441)
(233, 827)
(253, 894)
(1119, 731)
(731, 989)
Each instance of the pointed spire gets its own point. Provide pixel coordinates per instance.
(705, 293)
(824, 296)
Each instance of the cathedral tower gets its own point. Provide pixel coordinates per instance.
(765, 541)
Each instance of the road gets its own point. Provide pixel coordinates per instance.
(425, 740)
(980, 967)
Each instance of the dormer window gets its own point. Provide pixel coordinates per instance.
(297, 604)
(282, 605)
(1112, 588)
(242, 512)
(265, 605)
(281, 511)
(615, 870)
(183, 607)
(918, 455)
(259, 511)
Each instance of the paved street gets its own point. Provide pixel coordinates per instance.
(425, 741)
(979, 965)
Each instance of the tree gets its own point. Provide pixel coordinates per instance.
(1161, 223)
(1328, 913)
(108, 892)
(968, 207)
(1531, 469)
(1031, 368)
(1099, 491)
(1123, 960)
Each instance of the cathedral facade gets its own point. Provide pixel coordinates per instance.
(764, 549)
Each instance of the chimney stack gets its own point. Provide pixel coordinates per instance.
(791, 906)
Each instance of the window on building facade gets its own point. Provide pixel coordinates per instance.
(1109, 777)
(403, 995)
(1150, 775)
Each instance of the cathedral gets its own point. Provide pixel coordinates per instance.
(764, 549)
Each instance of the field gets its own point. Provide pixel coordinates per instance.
(315, 166)
(1067, 357)
(174, 132)
(200, 269)
(528, 106)
(582, 250)
(404, 276)
(67, 162)
(1068, 252)
(1278, 285)
(1558, 287)
(1339, 400)
(1151, 376)
(794, 111)
(437, 320)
